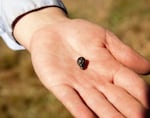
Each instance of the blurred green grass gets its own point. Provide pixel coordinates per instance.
(21, 93)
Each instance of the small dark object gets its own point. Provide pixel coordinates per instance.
(82, 62)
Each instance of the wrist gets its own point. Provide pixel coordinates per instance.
(32, 22)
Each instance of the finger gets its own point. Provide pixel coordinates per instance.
(131, 82)
(72, 101)
(126, 55)
(98, 103)
(123, 101)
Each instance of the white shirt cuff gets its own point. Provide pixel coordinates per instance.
(11, 9)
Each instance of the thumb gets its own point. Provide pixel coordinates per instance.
(127, 56)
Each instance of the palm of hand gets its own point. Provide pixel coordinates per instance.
(101, 86)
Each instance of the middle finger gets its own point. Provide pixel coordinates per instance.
(123, 101)
(98, 103)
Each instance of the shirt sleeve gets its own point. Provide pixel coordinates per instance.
(12, 9)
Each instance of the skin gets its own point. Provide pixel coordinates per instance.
(110, 87)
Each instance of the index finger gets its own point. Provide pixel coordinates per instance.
(132, 83)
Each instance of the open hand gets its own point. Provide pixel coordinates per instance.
(108, 88)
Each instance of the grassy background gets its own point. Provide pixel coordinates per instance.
(21, 93)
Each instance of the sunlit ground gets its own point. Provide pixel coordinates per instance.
(21, 93)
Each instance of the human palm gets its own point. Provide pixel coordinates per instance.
(107, 88)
